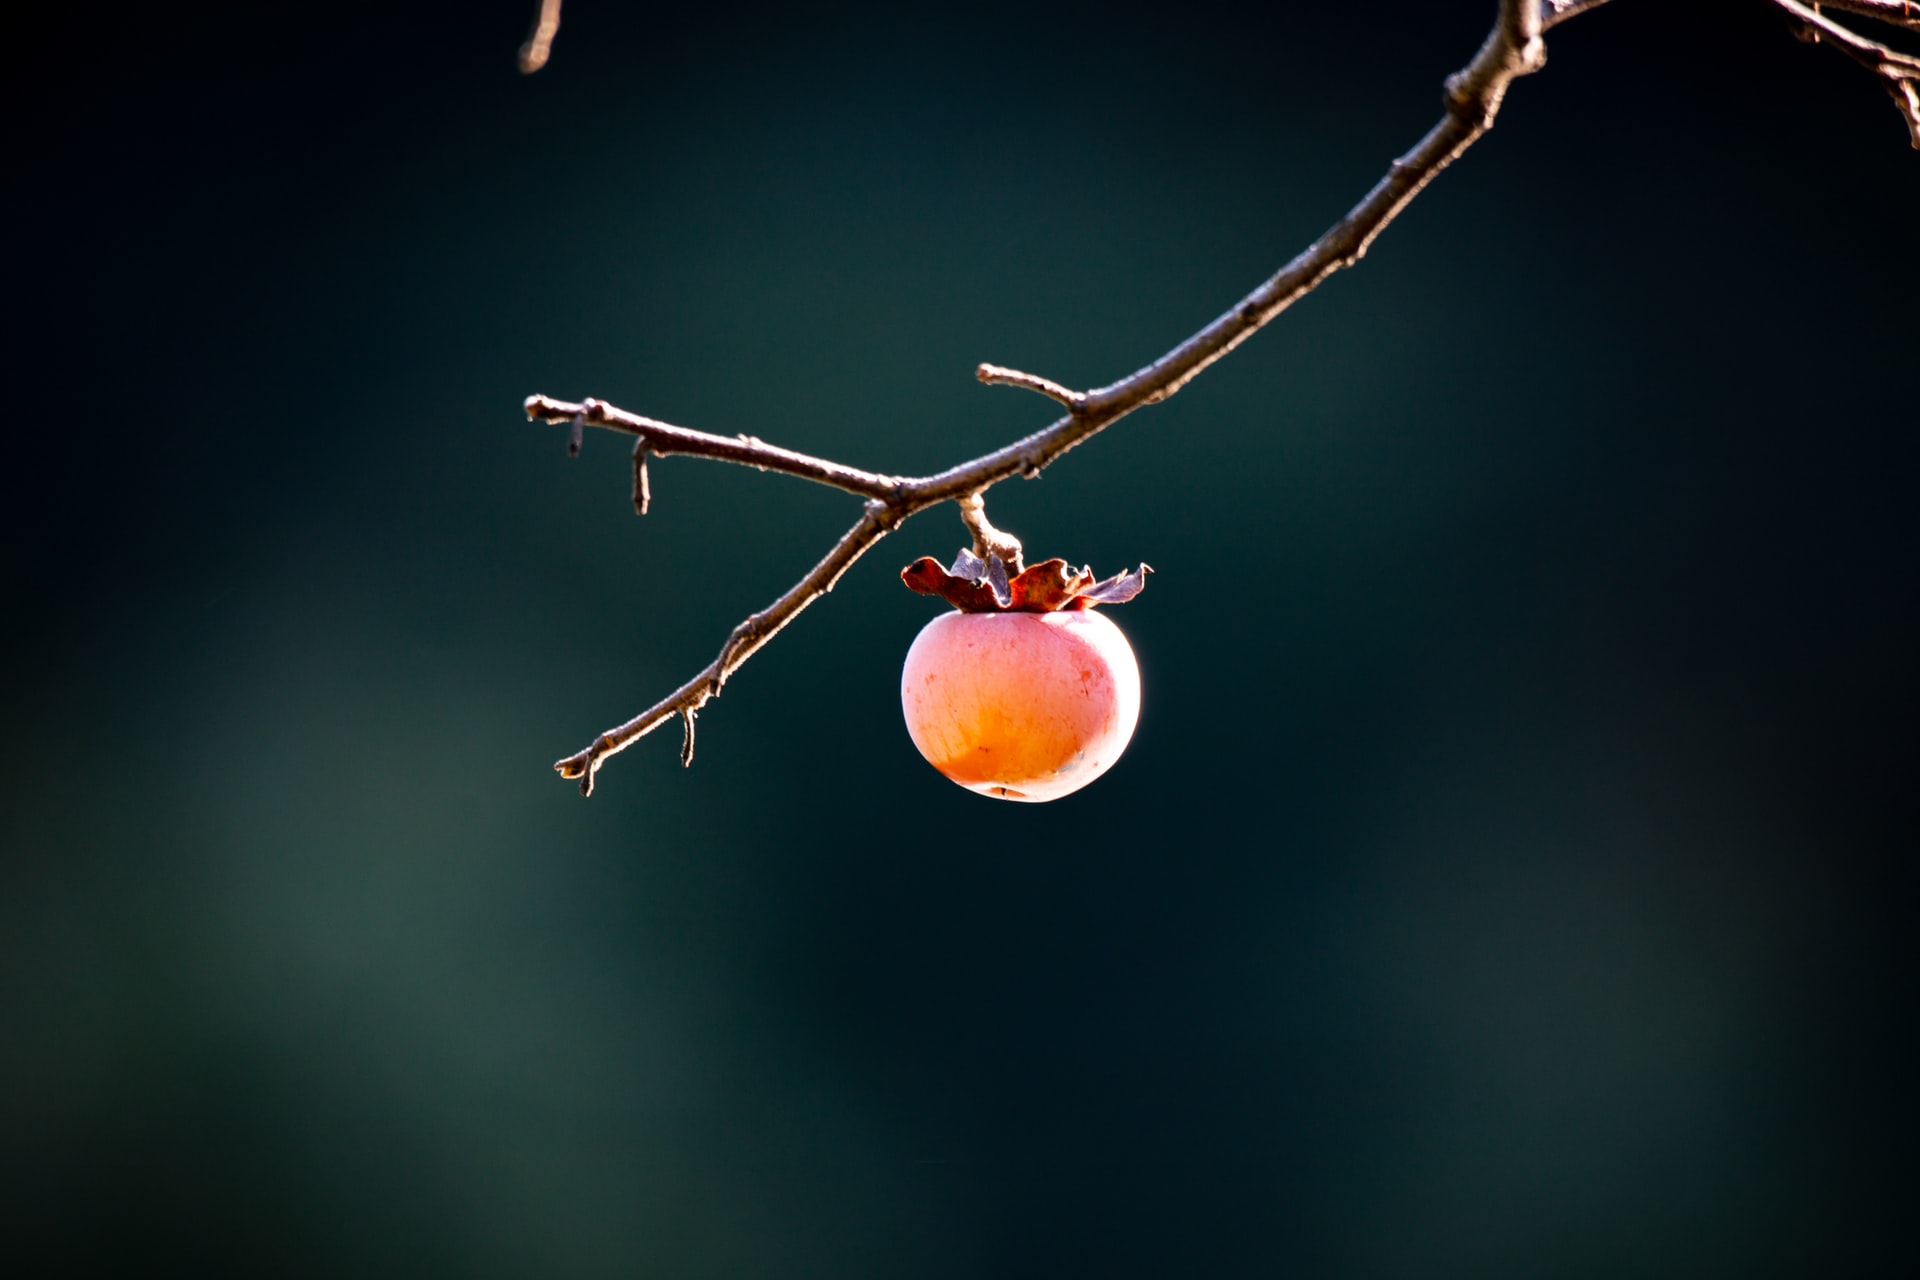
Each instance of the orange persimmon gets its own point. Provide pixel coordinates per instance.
(1021, 706)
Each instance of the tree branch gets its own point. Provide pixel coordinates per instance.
(683, 703)
(996, 376)
(1472, 99)
(1898, 73)
(663, 440)
(539, 45)
(1899, 13)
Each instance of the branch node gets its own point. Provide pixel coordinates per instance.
(888, 515)
(1474, 106)
(999, 376)
(1460, 101)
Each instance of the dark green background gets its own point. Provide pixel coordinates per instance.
(1509, 876)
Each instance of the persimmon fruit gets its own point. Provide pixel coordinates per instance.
(1021, 705)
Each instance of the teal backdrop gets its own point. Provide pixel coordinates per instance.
(1511, 875)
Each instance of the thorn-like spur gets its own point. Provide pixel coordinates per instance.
(576, 433)
(642, 491)
(687, 715)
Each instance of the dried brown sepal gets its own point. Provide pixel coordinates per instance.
(1118, 589)
(974, 585)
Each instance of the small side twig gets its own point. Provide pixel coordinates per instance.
(998, 376)
(642, 490)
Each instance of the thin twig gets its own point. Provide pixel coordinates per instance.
(664, 440)
(999, 376)
(539, 45)
(875, 523)
(642, 491)
(1473, 96)
(1898, 13)
(1898, 73)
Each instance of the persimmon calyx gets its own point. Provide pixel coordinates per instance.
(974, 585)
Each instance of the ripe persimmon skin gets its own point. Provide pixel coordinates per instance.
(1021, 706)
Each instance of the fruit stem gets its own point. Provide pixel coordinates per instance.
(987, 540)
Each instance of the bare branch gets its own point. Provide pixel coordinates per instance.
(1472, 98)
(874, 524)
(996, 376)
(1898, 73)
(539, 45)
(664, 440)
(1906, 100)
(1898, 13)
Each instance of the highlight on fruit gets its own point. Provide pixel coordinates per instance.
(1023, 692)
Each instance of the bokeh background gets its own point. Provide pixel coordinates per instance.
(1510, 876)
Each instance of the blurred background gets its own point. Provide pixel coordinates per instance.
(1506, 878)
